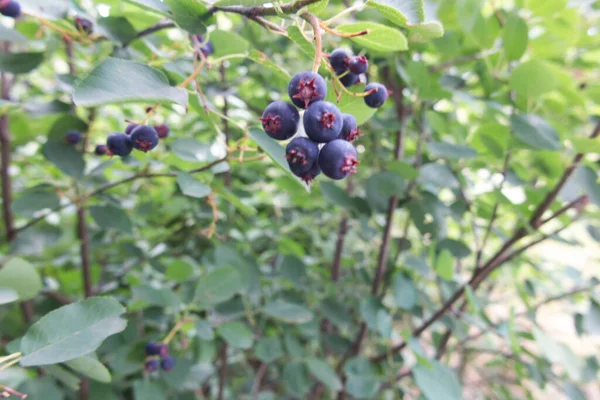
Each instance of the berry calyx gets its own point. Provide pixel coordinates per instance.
(301, 154)
(322, 121)
(350, 130)
(130, 128)
(339, 60)
(306, 88)
(338, 159)
(10, 8)
(162, 130)
(327, 120)
(119, 144)
(144, 138)
(151, 365)
(358, 65)
(280, 120)
(167, 363)
(101, 150)
(73, 137)
(378, 94)
(84, 25)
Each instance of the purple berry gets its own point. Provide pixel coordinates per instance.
(73, 137)
(167, 363)
(339, 60)
(349, 79)
(10, 8)
(377, 97)
(153, 348)
(280, 120)
(151, 365)
(323, 121)
(84, 25)
(119, 144)
(349, 129)
(144, 138)
(207, 48)
(130, 128)
(301, 154)
(310, 174)
(307, 87)
(162, 130)
(358, 65)
(338, 159)
(163, 349)
(101, 150)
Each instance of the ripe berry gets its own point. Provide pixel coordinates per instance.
(358, 65)
(307, 87)
(144, 138)
(163, 349)
(280, 120)
(130, 128)
(339, 60)
(73, 137)
(151, 365)
(101, 150)
(349, 129)
(167, 363)
(84, 25)
(323, 121)
(153, 348)
(162, 130)
(338, 159)
(301, 154)
(310, 174)
(378, 97)
(119, 144)
(349, 79)
(10, 8)
(207, 48)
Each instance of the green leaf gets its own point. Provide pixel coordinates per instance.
(404, 291)
(35, 199)
(44, 9)
(436, 175)
(151, 5)
(296, 380)
(118, 29)
(236, 334)
(226, 43)
(380, 38)
(428, 214)
(592, 318)
(444, 265)
(400, 12)
(8, 295)
(246, 3)
(151, 296)
(192, 187)
(424, 32)
(22, 277)
(91, 368)
(269, 349)
(515, 38)
(287, 312)
(204, 330)
(11, 35)
(362, 382)
(335, 313)
(351, 104)
(535, 131)
(584, 145)
(116, 81)
(179, 271)
(63, 375)
(148, 390)
(65, 157)
(533, 79)
(403, 169)
(324, 373)
(20, 63)
(383, 185)
(110, 217)
(318, 8)
(449, 150)
(336, 195)
(559, 353)
(72, 331)
(296, 36)
(217, 286)
(438, 382)
(189, 15)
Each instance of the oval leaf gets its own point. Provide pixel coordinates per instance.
(91, 368)
(380, 38)
(22, 277)
(288, 312)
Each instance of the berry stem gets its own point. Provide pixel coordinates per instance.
(342, 34)
(10, 391)
(314, 22)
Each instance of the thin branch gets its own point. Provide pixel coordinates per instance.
(314, 22)
(222, 370)
(262, 11)
(6, 160)
(160, 25)
(225, 121)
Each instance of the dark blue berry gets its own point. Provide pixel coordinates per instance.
(349, 79)
(163, 349)
(358, 65)
(151, 365)
(73, 137)
(301, 154)
(101, 150)
(167, 363)
(280, 120)
(339, 59)
(349, 129)
(206, 48)
(84, 25)
(119, 144)
(323, 121)
(162, 130)
(130, 128)
(338, 159)
(144, 138)
(306, 88)
(152, 348)
(10, 9)
(378, 97)
(310, 174)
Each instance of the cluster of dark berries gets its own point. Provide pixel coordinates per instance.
(139, 137)
(10, 8)
(157, 355)
(328, 146)
(84, 25)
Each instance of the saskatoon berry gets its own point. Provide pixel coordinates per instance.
(323, 121)
(338, 159)
(280, 120)
(311, 174)
(349, 129)
(378, 97)
(151, 365)
(339, 60)
(307, 87)
(167, 363)
(358, 64)
(144, 138)
(349, 79)
(10, 8)
(101, 150)
(84, 25)
(301, 154)
(119, 144)
(130, 128)
(153, 348)
(206, 48)
(162, 130)
(73, 137)
(163, 349)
